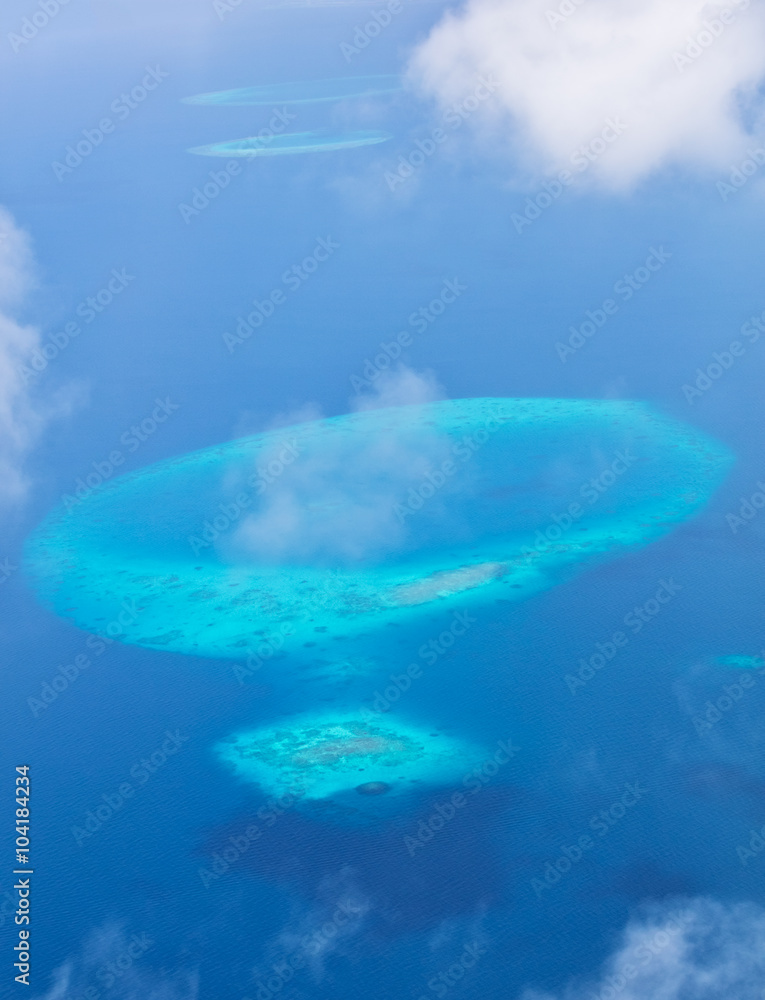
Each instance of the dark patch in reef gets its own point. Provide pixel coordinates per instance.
(373, 788)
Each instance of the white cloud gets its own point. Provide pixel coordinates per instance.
(339, 504)
(400, 387)
(114, 963)
(20, 419)
(24, 412)
(559, 79)
(696, 949)
(324, 930)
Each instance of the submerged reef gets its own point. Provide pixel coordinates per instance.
(301, 92)
(310, 538)
(373, 788)
(740, 662)
(313, 757)
(292, 142)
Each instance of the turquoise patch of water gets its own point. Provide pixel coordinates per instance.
(740, 662)
(295, 142)
(309, 539)
(325, 756)
(301, 92)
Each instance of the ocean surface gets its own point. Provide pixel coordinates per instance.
(635, 770)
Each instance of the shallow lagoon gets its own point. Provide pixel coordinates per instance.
(301, 92)
(313, 537)
(321, 756)
(294, 142)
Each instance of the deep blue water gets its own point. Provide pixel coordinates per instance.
(141, 871)
(576, 753)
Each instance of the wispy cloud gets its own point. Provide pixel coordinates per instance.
(681, 76)
(400, 387)
(314, 935)
(116, 964)
(21, 418)
(337, 504)
(697, 949)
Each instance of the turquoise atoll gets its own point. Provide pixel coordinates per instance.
(300, 92)
(310, 538)
(313, 757)
(292, 142)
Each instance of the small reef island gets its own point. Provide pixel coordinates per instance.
(324, 756)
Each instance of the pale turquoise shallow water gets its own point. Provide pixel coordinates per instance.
(301, 92)
(321, 141)
(325, 532)
(327, 755)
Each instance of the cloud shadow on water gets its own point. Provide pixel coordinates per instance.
(455, 872)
